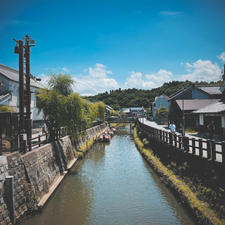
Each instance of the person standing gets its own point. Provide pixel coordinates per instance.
(172, 127)
(211, 128)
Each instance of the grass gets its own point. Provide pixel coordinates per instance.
(87, 145)
(117, 124)
(200, 208)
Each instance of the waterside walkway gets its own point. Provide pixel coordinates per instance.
(201, 147)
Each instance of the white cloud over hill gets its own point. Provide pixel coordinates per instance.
(98, 79)
(202, 70)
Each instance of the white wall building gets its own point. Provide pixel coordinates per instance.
(9, 92)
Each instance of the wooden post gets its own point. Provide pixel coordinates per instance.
(163, 136)
(39, 140)
(223, 154)
(223, 162)
(179, 141)
(213, 150)
(160, 136)
(175, 139)
(193, 146)
(166, 137)
(170, 138)
(186, 143)
(200, 147)
(208, 149)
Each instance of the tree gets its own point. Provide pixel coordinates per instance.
(62, 108)
(162, 112)
(114, 113)
(100, 110)
(62, 83)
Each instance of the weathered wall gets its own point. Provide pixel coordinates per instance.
(36, 172)
(16, 169)
(4, 214)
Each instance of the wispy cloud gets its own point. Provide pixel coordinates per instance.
(170, 13)
(202, 70)
(20, 22)
(222, 57)
(95, 80)
(65, 70)
(148, 81)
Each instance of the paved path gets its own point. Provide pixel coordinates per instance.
(204, 145)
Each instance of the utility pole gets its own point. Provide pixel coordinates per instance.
(19, 50)
(24, 96)
(28, 43)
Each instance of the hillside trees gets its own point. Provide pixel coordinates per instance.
(137, 97)
(63, 108)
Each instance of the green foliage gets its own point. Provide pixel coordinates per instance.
(62, 108)
(62, 83)
(4, 108)
(100, 110)
(162, 112)
(114, 113)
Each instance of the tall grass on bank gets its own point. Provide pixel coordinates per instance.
(201, 209)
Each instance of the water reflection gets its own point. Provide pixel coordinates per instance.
(113, 185)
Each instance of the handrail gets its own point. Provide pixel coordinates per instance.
(207, 149)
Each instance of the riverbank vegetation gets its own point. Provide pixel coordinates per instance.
(61, 107)
(201, 209)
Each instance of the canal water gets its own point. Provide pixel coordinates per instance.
(113, 185)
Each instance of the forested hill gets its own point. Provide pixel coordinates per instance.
(137, 97)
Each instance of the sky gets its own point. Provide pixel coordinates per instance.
(111, 44)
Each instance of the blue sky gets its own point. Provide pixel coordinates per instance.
(117, 43)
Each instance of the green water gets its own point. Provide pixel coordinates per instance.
(113, 185)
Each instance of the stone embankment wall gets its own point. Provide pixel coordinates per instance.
(36, 175)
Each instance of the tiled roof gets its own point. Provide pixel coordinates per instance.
(194, 104)
(209, 90)
(212, 90)
(13, 75)
(181, 91)
(216, 107)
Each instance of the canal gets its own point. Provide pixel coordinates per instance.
(112, 185)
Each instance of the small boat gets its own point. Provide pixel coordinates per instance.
(107, 138)
(104, 138)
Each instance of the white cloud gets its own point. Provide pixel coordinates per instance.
(96, 81)
(148, 81)
(222, 57)
(202, 70)
(65, 70)
(170, 13)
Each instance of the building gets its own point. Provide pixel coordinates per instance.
(137, 111)
(192, 98)
(213, 112)
(161, 101)
(9, 92)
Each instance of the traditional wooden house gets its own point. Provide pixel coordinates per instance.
(192, 98)
(213, 112)
(9, 92)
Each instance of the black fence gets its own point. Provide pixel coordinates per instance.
(208, 149)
